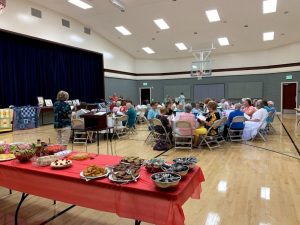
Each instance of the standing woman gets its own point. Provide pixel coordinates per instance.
(62, 118)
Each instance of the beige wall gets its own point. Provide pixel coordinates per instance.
(17, 18)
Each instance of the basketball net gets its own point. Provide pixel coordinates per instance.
(199, 74)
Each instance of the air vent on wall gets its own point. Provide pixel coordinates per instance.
(37, 13)
(65, 23)
(87, 30)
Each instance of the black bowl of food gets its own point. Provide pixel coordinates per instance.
(180, 169)
(187, 161)
(165, 179)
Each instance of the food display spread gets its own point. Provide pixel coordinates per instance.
(126, 171)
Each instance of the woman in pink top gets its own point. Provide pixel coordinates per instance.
(248, 108)
(187, 116)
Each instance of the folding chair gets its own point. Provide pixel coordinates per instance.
(80, 135)
(152, 136)
(141, 118)
(261, 132)
(183, 139)
(219, 125)
(212, 140)
(269, 127)
(157, 135)
(119, 128)
(236, 135)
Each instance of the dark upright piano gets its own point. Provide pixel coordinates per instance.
(97, 123)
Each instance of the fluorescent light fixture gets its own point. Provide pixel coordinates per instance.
(212, 15)
(268, 36)
(123, 30)
(265, 193)
(223, 41)
(161, 24)
(222, 186)
(212, 219)
(80, 4)
(181, 46)
(148, 50)
(269, 6)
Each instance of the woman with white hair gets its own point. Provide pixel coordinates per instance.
(116, 108)
(131, 115)
(257, 121)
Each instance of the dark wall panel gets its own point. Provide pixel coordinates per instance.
(271, 84)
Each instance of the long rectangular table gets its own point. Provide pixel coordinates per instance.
(141, 200)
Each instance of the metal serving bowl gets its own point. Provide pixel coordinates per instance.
(165, 179)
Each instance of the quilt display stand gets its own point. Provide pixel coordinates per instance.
(26, 117)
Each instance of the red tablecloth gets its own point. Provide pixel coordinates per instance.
(140, 200)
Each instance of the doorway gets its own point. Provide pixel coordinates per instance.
(289, 96)
(145, 96)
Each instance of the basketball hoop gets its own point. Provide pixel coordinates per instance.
(201, 67)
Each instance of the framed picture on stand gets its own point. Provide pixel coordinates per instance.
(40, 101)
(48, 102)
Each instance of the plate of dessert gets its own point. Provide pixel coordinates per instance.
(94, 172)
(6, 157)
(132, 160)
(124, 173)
(61, 164)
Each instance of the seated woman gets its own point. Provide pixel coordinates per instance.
(247, 107)
(258, 120)
(116, 108)
(169, 109)
(179, 108)
(187, 116)
(131, 115)
(212, 116)
(234, 126)
(165, 122)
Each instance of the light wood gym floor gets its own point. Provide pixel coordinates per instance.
(256, 183)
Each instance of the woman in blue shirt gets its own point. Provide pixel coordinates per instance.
(131, 115)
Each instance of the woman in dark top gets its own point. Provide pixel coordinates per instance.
(62, 118)
(169, 111)
(212, 116)
(165, 122)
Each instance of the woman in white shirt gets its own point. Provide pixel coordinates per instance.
(258, 120)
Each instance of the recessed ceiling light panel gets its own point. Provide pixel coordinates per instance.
(223, 41)
(268, 36)
(148, 50)
(123, 30)
(161, 23)
(80, 4)
(181, 46)
(212, 15)
(269, 6)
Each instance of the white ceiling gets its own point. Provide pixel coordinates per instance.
(186, 17)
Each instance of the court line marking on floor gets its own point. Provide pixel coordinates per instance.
(270, 150)
(296, 147)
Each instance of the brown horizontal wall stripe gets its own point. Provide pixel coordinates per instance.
(215, 70)
(119, 72)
